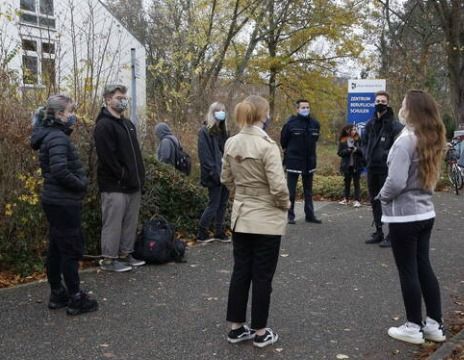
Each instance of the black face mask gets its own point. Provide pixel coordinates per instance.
(380, 108)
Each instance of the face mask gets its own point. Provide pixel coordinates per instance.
(304, 112)
(380, 108)
(121, 105)
(267, 123)
(220, 115)
(72, 119)
(401, 117)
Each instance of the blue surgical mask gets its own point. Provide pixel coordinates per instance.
(304, 112)
(72, 120)
(220, 115)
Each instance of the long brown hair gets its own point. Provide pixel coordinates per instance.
(423, 115)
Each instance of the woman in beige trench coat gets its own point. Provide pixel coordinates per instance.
(252, 170)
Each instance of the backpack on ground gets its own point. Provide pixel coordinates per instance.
(183, 161)
(157, 243)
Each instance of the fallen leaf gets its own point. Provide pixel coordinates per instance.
(284, 255)
(342, 356)
(279, 349)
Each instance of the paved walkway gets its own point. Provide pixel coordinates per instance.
(333, 295)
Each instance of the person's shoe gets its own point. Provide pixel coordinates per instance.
(114, 265)
(80, 303)
(386, 243)
(376, 238)
(129, 260)
(433, 330)
(270, 337)
(203, 237)
(343, 202)
(222, 238)
(409, 332)
(291, 221)
(241, 334)
(313, 220)
(58, 298)
(356, 204)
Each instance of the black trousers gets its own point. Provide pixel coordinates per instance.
(411, 244)
(255, 261)
(216, 209)
(374, 185)
(292, 180)
(349, 175)
(65, 245)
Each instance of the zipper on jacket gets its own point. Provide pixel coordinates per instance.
(135, 156)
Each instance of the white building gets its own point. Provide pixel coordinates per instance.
(74, 46)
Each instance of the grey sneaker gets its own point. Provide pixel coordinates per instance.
(114, 265)
(129, 260)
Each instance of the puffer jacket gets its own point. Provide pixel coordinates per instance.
(65, 181)
(402, 196)
(298, 140)
(378, 137)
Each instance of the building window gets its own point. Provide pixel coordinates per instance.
(41, 15)
(48, 48)
(29, 45)
(30, 70)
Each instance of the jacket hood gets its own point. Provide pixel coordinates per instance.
(39, 132)
(162, 130)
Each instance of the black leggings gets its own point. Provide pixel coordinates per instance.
(354, 175)
(255, 262)
(411, 242)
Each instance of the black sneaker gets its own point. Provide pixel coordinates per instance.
(270, 337)
(376, 238)
(81, 303)
(222, 238)
(386, 243)
(58, 298)
(243, 333)
(313, 220)
(291, 221)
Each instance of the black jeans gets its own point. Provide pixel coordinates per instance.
(374, 185)
(255, 261)
(411, 244)
(65, 245)
(216, 210)
(349, 175)
(292, 180)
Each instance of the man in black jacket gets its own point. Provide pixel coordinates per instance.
(121, 176)
(378, 137)
(298, 139)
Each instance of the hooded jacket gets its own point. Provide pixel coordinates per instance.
(168, 144)
(120, 163)
(298, 140)
(378, 137)
(65, 181)
(210, 149)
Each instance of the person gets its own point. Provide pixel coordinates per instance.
(298, 140)
(252, 169)
(351, 164)
(414, 164)
(121, 175)
(64, 187)
(168, 144)
(211, 139)
(378, 137)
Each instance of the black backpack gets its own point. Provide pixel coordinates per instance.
(157, 243)
(183, 161)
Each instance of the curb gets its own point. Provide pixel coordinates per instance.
(447, 348)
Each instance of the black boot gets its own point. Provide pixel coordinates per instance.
(58, 298)
(80, 303)
(376, 238)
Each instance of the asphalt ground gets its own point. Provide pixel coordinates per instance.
(334, 297)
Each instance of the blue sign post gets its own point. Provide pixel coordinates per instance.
(361, 100)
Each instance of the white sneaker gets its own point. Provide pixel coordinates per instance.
(356, 204)
(343, 202)
(433, 330)
(409, 332)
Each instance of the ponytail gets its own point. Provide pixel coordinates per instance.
(251, 110)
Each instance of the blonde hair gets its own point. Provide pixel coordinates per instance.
(423, 115)
(251, 110)
(210, 119)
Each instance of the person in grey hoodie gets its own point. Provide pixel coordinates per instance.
(414, 163)
(168, 144)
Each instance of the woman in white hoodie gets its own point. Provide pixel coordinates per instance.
(414, 165)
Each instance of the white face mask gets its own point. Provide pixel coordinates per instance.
(401, 117)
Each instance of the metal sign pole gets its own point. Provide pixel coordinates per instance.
(133, 116)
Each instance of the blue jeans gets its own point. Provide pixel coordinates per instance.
(216, 209)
